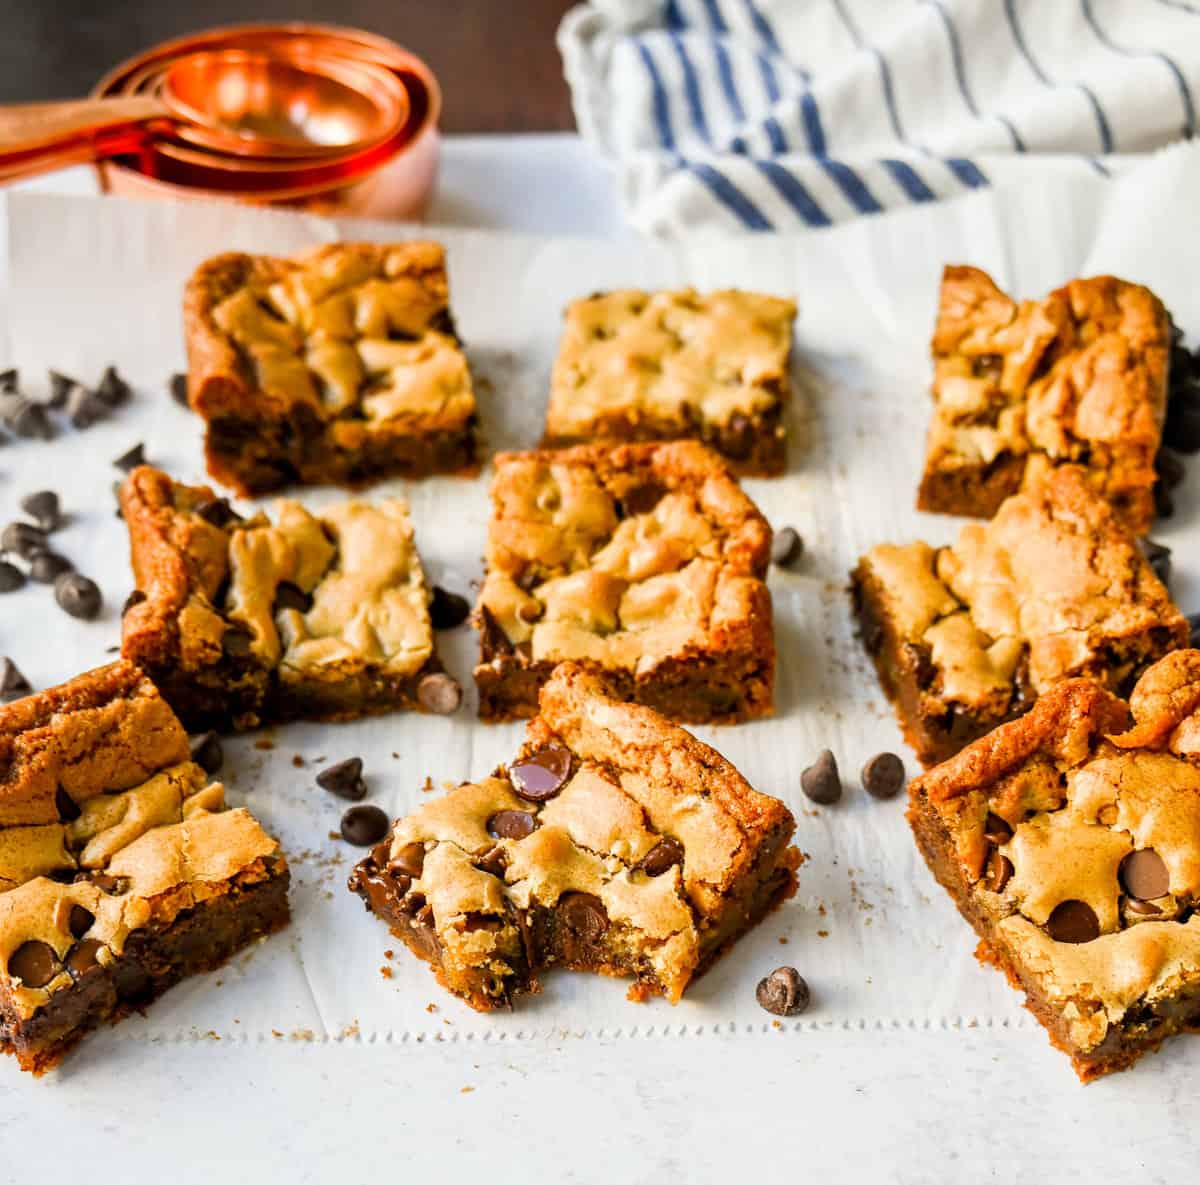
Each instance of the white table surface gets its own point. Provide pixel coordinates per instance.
(826, 1103)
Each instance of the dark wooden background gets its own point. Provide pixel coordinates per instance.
(496, 59)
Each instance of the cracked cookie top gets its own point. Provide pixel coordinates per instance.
(106, 828)
(1052, 587)
(333, 592)
(353, 330)
(678, 357)
(625, 557)
(1079, 827)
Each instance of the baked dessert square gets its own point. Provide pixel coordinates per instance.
(244, 621)
(121, 870)
(670, 365)
(339, 364)
(967, 636)
(1079, 377)
(615, 842)
(645, 562)
(1070, 840)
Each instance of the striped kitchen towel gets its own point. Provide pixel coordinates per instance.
(785, 114)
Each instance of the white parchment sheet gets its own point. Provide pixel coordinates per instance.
(93, 281)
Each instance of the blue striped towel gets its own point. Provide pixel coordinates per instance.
(785, 114)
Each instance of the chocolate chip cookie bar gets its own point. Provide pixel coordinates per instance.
(645, 562)
(339, 364)
(242, 621)
(615, 842)
(1079, 377)
(1070, 840)
(965, 637)
(121, 870)
(670, 365)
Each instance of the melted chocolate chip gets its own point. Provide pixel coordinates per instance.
(663, 856)
(81, 958)
(447, 610)
(80, 921)
(439, 693)
(492, 638)
(409, 860)
(114, 886)
(1073, 921)
(784, 992)
(344, 778)
(641, 499)
(67, 809)
(542, 774)
(820, 780)
(289, 596)
(1144, 875)
(493, 862)
(1142, 908)
(34, 963)
(511, 825)
(207, 752)
(883, 775)
(584, 915)
(996, 830)
(364, 825)
(999, 871)
(236, 641)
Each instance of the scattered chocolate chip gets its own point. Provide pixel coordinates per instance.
(81, 958)
(996, 830)
(1143, 908)
(218, 512)
(511, 825)
(8, 379)
(68, 809)
(787, 547)
(207, 752)
(1170, 468)
(1073, 921)
(34, 963)
(584, 915)
(290, 596)
(79, 921)
(135, 598)
(30, 420)
(11, 577)
(409, 860)
(236, 641)
(112, 389)
(23, 539)
(820, 781)
(344, 778)
(663, 856)
(364, 825)
(542, 774)
(447, 610)
(84, 408)
(783, 993)
(1181, 431)
(999, 870)
(178, 385)
(129, 460)
(883, 775)
(43, 508)
(439, 693)
(61, 386)
(1144, 875)
(13, 684)
(47, 566)
(77, 595)
(1158, 556)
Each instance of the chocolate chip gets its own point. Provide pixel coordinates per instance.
(820, 781)
(290, 596)
(1073, 921)
(737, 441)
(542, 774)
(23, 539)
(43, 508)
(1164, 503)
(584, 915)
(77, 595)
(30, 420)
(1170, 468)
(1143, 874)
(447, 610)
(409, 860)
(11, 678)
(530, 611)
(1181, 431)
(236, 641)
(1158, 556)
(112, 388)
(114, 886)
(1142, 908)
(641, 499)
(129, 460)
(493, 862)
(344, 779)
(135, 598)
(11, 577)
(84, 408)
(787, 547)
(783, 993)
(68, 809)
(47, 566)
(1193, 620)
(207, 752)
(999, 870)
(511, 825)
(8, 379)
(439, 693)
(178, 385)
(61, 386)
(663, 856)
(81, 958)
(492, 638)
(218, 512)
(996, 830)
(364, 825)
(883, 775)
(80, 921)
(34, 963)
